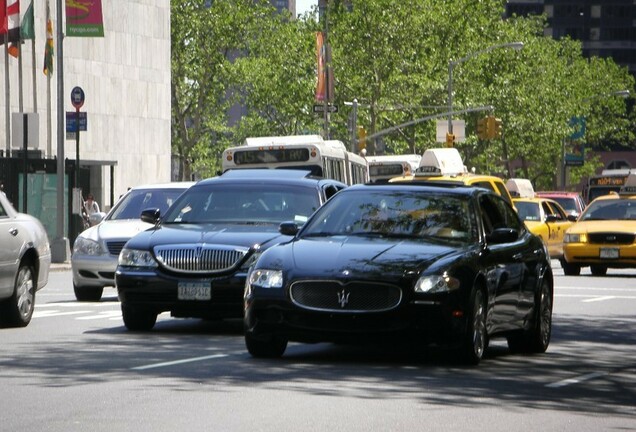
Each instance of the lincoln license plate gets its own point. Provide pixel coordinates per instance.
(195, 291)
(609, 253)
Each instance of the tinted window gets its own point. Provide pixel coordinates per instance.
(528, 211)
(497, 213)
(414, 214)
(244, 203)
(132, 204)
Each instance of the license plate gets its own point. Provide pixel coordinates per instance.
(609, 253)
(194, 291)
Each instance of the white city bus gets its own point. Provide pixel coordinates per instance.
(329, 159)
(385, 167)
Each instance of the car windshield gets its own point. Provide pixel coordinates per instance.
(568, 204)
(618, 209)
(244, 204)
(528, 211)
(390, 213)
(132, 204)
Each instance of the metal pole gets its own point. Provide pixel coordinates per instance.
(354, 127)
(25, 157)
(450, 97)
(7, 96)
(60, 247)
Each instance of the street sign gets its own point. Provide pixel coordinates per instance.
(77, 97)
(320, 108)
(71, 121)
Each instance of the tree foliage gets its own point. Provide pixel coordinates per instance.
(392, 57)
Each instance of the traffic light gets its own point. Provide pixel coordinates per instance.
(362, 138)
(497, 128)
(450, 139)
(482, 128)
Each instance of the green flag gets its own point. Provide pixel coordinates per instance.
(27, 30)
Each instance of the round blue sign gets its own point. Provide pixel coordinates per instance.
(77, 97)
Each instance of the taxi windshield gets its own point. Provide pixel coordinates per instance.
(616, 209)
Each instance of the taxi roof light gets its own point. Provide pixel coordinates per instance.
(441, 161)
(629, 188)
(520, 188)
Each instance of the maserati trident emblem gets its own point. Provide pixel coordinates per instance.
(611, 238)
(343, 298)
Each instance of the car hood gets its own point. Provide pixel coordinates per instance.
(220, 234)
(116, 229)
(366, 257)
(623, 226)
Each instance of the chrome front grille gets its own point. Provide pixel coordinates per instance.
(199, 259)
(114, 247)
(335, 296)
(611, 238)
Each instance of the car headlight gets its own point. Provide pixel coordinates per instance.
(136, 258)
(86, 246)
(436, 284)
(266, 278)
(575, 238)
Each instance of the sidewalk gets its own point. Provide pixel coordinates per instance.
(65, 266)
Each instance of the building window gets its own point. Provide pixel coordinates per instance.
(619, 164)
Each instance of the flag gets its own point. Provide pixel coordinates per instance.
(48, 49)
(10, 20)
(27, 29)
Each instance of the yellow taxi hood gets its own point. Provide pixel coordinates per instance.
(622, 226)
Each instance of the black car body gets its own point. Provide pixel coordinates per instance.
(446, 265)
(193, 263)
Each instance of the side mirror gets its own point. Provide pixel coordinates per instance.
(503, 235)
(96, 218)
(572, 217)
(288, 228)
(151, 216)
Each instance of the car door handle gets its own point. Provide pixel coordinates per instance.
(13, 231)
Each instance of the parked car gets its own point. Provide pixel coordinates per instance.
(547, 219)
(423, 262)
(604, 236)
(25, 259)
(95, 250)
(572, 202)
(193, 263)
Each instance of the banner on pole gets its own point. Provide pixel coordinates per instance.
(84, 18)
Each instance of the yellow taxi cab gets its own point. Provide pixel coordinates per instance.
(604, 235)
(446, 164)
(543, 216)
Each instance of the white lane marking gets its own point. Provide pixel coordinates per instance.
(576, 380)
(102, 315)
(176, 362)
(589, 296)
(77, 304)
(602, 298)
(54, 313)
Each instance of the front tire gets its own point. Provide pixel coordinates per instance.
(269, 346)
(598, 270)
(18, 309)
(84, 293)
(476, 338)
(570, 269)
(138, 318)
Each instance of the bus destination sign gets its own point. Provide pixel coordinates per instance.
(266, 156)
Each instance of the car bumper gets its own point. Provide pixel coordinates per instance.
(590, 254)
(94, 271)
(158, 292)
(426, 323)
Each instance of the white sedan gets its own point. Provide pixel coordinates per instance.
(25, 259)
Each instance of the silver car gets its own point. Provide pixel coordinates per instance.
(95, 250)
(25, 259)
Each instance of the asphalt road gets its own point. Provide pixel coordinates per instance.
(76, 368)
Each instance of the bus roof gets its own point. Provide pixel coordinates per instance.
(284, 140)
(411, 158)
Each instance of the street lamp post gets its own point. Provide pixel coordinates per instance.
(619, 93)
(453, 63)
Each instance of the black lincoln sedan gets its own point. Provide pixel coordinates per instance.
(429, 263)
(194, 261)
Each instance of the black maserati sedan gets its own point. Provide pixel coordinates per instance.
(427, 263)
(194, 260)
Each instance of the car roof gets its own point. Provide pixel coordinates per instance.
(171, 185)
(444, 187)
(558, 194)
(288, 176)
